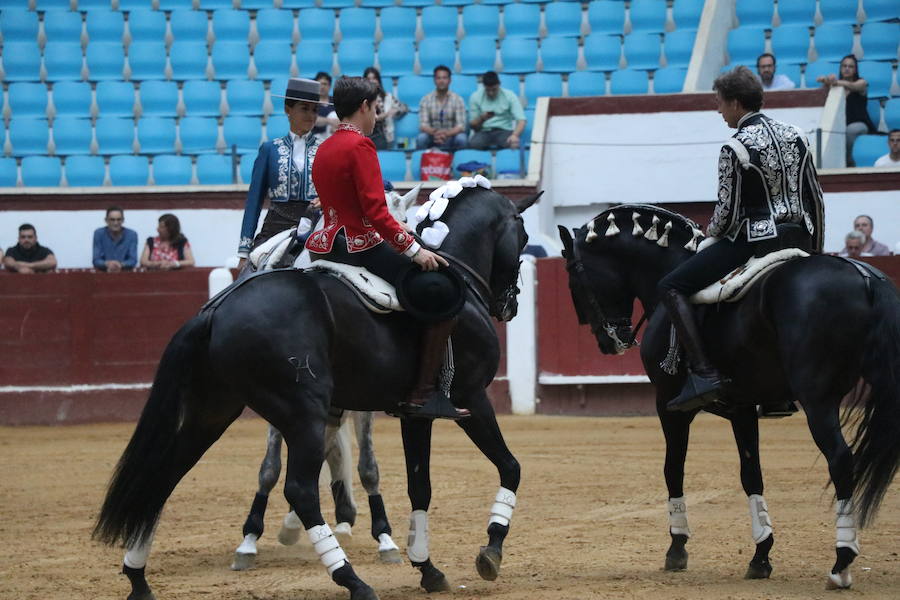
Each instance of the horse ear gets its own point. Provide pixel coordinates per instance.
(409, 197)
(523, 203)
(567, 241)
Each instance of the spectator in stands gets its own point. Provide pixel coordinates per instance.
(892, 158)
(28, 256)
(853, 245)
(857, 115)
(442, 115)
(170, 249)
(496, 115)
(327, 119)
(765, 68)
(386, 108)
(864, 224)
(115, 246)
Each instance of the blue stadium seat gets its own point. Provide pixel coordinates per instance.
(172, 5)
(298, 3)
(511, 161)
(476, 55)
(72, 98)
(434, 52)
(215, 169)
(397, 57)
(602, 52)
(878, 75)
(837, 11)
(231, 60)
(687, 13)
(105, 61)
(880, 10)
(63, 61)
(648, 15)
(87, 6)
(277, 86)
(757, 14)
(52, 5)
(411, 88)
(818, 69)
(275, 25)
(245, 132)
(19, 25)
(393, 164)
(469, 155)
(521, 20)
(272, 59)
(215, 4)
(72, 135)
(27, 99)
(41, 171)
(21, 61)
(9, 172)
(63, 26)
(563, 19)
(678, 47)
(790, 44)
(518, 54)
(169, 169)
(642, 50)
(892, 113)
(231, 25)
(669, 80)
(866, 150)
(130, 5)
(28, 136)
(159, 98)
(245, 97)
(156, 135)
(587, 83)
(357, 24)
(188, 60)
(147, 25)
(316, 24)
(791, 71)
(355, 55)
(406, 128)
(481, 21)
(606, 16)
(314, 56)
(129, 170)
(198, 135)
(439, 22)
(416, 3)
(833, 42)
(542, 84)
(512, 82)
(337, 3)
(745, 44)
(276, 126)
(559, 54)
(628, 81)
(246, 168)
(147, 60)
(398, 22)
(105, 26)
(116, 99)
(873, 106)
(879, 40)
(189, 26)
(797, 12)
(415, 165)
(85, 171)
(114, 135)
(202, 98)
(464, 85)
(377, 3)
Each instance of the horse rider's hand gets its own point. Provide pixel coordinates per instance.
(428, 260)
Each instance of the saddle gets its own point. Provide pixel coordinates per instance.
(736, 284)
(375, 293)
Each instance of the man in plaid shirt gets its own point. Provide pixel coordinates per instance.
(442, 115)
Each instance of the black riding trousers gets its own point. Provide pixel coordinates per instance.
(707, 267)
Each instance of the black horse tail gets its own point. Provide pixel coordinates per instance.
(144, 477)
(876, 445)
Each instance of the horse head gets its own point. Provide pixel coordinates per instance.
(510, 241)
(618, 256)
(397, 204)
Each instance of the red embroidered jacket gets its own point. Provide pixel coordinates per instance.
(347, 176)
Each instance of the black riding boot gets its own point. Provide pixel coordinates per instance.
(427, 400)
(704, 383)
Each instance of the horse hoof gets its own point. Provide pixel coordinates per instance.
(488, 563)
(242, 562)
(758, 570)
(839, 581)
(390, 557)
(147, 595)
(363, 593)
(288, 536)
(436, 584)
(676, 562)
(343, 531)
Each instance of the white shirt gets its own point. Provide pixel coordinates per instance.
(299, 152)
(779, 82)
(886, 161)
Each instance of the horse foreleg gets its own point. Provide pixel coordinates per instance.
(133, 567)
(338, 454)
(482, 428)
(269, 472)
(676, 429)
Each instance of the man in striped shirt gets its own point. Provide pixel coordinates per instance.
(442, 115)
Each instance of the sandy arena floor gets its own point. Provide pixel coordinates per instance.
(590, 522)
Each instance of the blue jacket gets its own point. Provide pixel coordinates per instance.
(275, 177)
(123, 250)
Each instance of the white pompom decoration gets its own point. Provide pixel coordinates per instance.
(612, 229)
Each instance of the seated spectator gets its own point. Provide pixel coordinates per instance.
(28, 256)
(115, 246)
(327, 119)
(170, 249)
(857, 116)
(892, 158)
(853, 245)
(865, 225)
(496, 115)
(386, 108)
(442, 115)
(765, 69)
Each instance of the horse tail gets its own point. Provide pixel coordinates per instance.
(145, 474)
(876, 445)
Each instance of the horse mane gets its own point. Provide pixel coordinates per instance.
(650, 221)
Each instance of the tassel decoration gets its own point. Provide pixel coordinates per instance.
(637, 230)
(696, 234)
(664, 238)
(613, 229)
(652, 234)
(591, 234)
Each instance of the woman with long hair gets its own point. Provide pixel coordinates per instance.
(386, 108)
(169, 249)
(857, 114)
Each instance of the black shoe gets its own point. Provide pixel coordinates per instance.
(777, 410)
(697, 392)
(438, 406)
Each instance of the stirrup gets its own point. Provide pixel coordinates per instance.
(438, 406)
(697, 392)
(778, 410)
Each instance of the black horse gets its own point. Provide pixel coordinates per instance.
(238, 352)
(808, 331)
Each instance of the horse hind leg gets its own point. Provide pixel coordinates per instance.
(338, 453)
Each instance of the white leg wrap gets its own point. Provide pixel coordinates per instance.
(845, 522)
(136, 556)
(678, 521)
(502, 509)
(248, 546)
(417, 542)
(385, 543)
(327, 547)
(760, 523)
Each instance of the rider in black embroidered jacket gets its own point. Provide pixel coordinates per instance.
(766, 180)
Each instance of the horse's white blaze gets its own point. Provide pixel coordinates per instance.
(327, 547)
(845, 524)
(417, 542)
(502, 509)
(385, 543)
(678, 521)
(136, 556)
(760, 523)
(248, 546)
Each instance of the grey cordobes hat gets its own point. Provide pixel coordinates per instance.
(305, 90)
